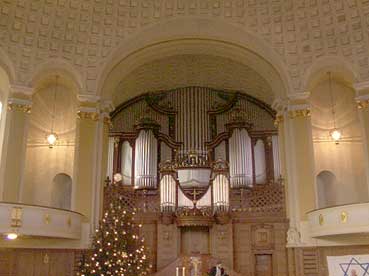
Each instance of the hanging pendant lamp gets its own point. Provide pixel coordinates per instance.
(335, 133)
(52, 137)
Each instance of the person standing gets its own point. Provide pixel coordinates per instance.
(217, 270)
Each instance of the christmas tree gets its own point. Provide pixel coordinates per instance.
(117, 248)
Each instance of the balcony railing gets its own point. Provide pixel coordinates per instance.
(40, 221)
(339, 220)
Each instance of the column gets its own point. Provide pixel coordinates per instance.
(86, 156)
(104, 126)
(295, 130)
(362, 99)
(15, 140)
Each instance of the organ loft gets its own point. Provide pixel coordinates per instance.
(202, 167)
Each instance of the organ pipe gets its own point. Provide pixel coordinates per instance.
(260, 162)
(167, 193)
(221, 193)
(240, 159)
(276, 158)
(110, 165)
(146, 163)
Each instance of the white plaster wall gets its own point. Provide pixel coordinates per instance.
(43, 163)
(346, 160)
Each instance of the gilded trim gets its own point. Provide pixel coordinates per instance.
(299, 113)
(321, 220)
(361, 104)
(86, 115)
(108, 122)
(344, 217)
(26, 108)
(47, 219)
(278, 120)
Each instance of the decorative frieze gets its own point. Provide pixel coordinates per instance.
(88, 115)
(301, 110)
(362, 101)
(278, 120)
(21, 105)
(108, 122)
(299, 113)
(293, 237)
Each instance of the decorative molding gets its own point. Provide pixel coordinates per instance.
(279, 119)
(16, 217)
(15, 104)
(107, 120)
(299, 110)
(40, 221)
(26, 90)
(362, 101)
(321, 219)
(359, 86)
(293, 237)
(344, 217)
(89, 113)
(88, 98)
(106, 106)
(299, 113)
(47, 219)
(299, 96)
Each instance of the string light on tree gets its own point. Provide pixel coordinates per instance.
(117, 246)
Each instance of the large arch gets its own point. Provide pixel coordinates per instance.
(341, 69)
(45, 72)
(194, 36)
(7, 66)
(7, 77)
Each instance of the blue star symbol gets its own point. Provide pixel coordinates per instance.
(361, 269)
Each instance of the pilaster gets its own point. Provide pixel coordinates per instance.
(362, 99)
(18, 108)
(86, 156)
(104, 126)
(299, 158)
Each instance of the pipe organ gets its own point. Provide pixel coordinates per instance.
(195, 163)
(170, 141)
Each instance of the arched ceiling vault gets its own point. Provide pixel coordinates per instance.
(172, 64)
(193, 70)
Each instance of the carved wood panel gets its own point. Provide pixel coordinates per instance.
(242, 248)
(263, 265)
(262, 237)
(222, 243)
(168, 239)
(37, 262)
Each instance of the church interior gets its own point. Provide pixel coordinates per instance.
(188, 137)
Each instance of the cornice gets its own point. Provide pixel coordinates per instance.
(299, 110)
(88, 98)
(360, 86)
(20, 89)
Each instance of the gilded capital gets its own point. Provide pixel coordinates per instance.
(362, 101)
(108, 122)
(299, 113)
(21, 105)
(278, 120)
(88, 115)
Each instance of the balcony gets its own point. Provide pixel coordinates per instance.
(39, 221)
(339, 220)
